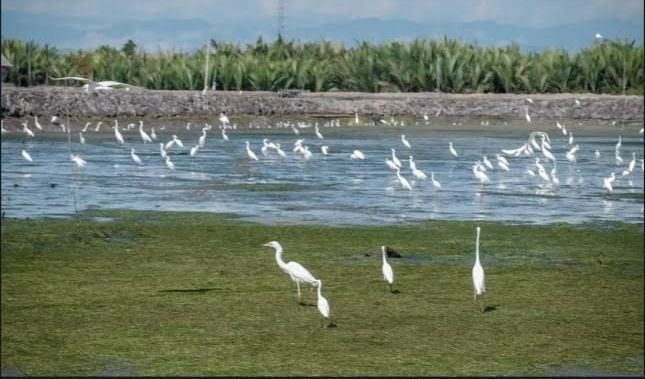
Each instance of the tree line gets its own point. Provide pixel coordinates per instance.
(421, 65)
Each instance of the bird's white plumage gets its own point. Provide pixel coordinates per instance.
(386, 269)
(478, 271)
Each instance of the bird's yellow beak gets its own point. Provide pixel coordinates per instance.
(267, 244)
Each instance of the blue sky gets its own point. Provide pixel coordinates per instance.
(180, 23)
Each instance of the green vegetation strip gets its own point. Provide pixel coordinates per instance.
(444, 65)
(154, 293)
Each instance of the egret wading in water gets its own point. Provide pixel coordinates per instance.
(26, 156)
(405, 141)
(250, 153)
(295, 270)
(452, 150)
(478, 272)
(386, 269)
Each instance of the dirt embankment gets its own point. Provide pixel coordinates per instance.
(46, 101)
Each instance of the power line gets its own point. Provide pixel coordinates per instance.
(281, 17)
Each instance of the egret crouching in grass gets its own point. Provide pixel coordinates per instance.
(478, 272)
(323, 304)
(295, 270)
(388, 273)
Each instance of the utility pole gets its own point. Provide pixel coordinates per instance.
(281, 15)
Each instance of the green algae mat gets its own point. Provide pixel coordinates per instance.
(156, 293)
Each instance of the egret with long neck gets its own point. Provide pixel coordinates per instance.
(295, 270)
(478, 271)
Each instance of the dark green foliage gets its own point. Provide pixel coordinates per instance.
(444, 65)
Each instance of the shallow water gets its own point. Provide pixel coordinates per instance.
(329, 189)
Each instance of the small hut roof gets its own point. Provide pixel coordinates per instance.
(5, 62)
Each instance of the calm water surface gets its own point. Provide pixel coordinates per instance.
(330, 189)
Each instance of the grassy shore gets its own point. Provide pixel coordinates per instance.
(154, 293)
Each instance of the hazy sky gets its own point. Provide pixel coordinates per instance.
(103, 13)
(540, 13)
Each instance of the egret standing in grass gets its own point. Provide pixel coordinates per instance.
(388, 273)
(322, 303)
(478, 272)
(295, 270)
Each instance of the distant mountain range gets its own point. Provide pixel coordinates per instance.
(188, 34)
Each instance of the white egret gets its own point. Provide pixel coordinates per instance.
(322, 303)
(405, 141)
(170, 143)
(324, 149)
(620, 142)
(390, 164)
(596, 154)
(487, 162)
(153, 135)
(265, 147)
(169, 164)
(91, 85)
(162, 151)
(435, 182)
(177, 141)
(98, 126)
(26, 130)
(144, 136)
(356, 120)
(541, 170)
(530, 172)
(388, 273)
(81, 138)
(280, 151)
(357, 154)
(577, 102)
(395, 159)
(571, 154)
(452, 149)
(526, 114)
(547, 153)
(26, 156)
(117, 133)
(223, 119)
(570, 138)
(318, 134)
(480, 174)
(202, 139)
(77, 160)
(295, 270)
(87, 125)
(188, 125)
(607, 182)
(306, 153)
(250, 153)
(39, 127)
(529, 100)
(404, 182)
(619, 159)
(478, 271)
(193, 150)
(135, 157)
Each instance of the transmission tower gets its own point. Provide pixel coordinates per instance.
(281, 15)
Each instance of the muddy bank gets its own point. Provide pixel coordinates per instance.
(47, 101)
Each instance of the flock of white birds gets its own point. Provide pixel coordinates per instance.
(537, 146)
(299, 274)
